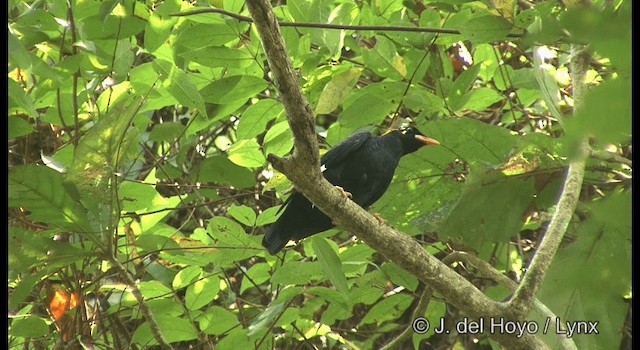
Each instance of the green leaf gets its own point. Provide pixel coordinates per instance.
(205, 34)
(477, 223)
(400, 276)
(157, 31)
(237, 243)
(331, 265)
(29, 327)
(480, 99)
(258, 274)
(42, 192)
(367, 109)
(337, 90)
(384, 60)
(242, 214)
(186, 276)
(485, 29)
(267, 217)
(174, 329)
(461, 86)
(219, 56)
(247, 153)
(548, 86)
(19, 103)
(137, 197)
(217, 321)
(154, 289)
(253, 121)
(606, 113)
(264, 319)
(278, 140)
(297, 272)
(180, 86)
(202, 292)
(18, 127)
(388, 309)
(235, 88)
(218, 169)
(166, 131)
(590, 277)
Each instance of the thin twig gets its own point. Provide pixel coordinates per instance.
(330, 25)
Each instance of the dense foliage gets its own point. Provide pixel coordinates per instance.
(137, 162)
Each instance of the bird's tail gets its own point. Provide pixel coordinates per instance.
(275, 239)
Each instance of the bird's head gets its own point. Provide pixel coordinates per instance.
(412, 140)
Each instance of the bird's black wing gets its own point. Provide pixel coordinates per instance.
(344, 149)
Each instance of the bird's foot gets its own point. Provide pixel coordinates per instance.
(344, 193)
(379, 218)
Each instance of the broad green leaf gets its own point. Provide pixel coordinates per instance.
(368, 109)
(186, 276)
(218, 169)
(331, 264)
(234, 88)
(337, 90)
(384, 59)
(113, 27)
(202, 292)
(258, 274)
(253, 121)
(219, 56)
(264, 319)
(477, 223)
(20, 57)
(29, 327)
(137, 197)
(203, 35)
(174, 329)
(247, 153)
(18, 127)
(154, 289)
(389, 308)
(237, 338)
(278, 140)
(217, 321)
(400, 276)
(297, 272)
(480, 99)
(485, 29)
(589, 277)
(19, 103)
(42, 192)
(267, 217)
(166, 131)
(180, 86)
(157, 31)
(238, 245)
(242, 214)
(606, 113)
(547, 85)
(461, 86)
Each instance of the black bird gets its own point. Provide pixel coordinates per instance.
(362, 165)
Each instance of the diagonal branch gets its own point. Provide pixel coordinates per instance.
(304, 172)
(524, 297)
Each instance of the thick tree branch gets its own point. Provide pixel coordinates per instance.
(489, 271)
(304, 172)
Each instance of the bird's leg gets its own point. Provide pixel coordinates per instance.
(379, 218)
(344, 193)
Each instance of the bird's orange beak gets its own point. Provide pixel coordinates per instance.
(427, 140)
